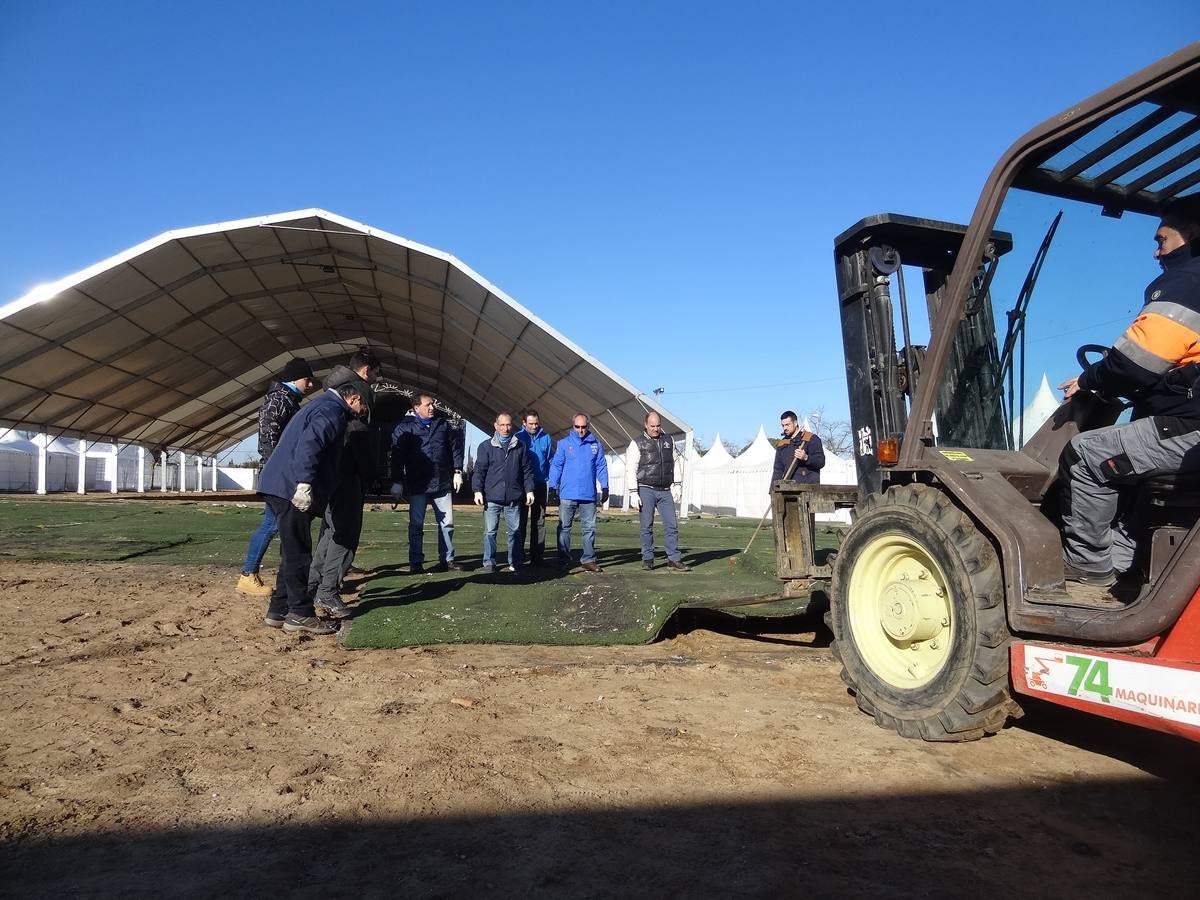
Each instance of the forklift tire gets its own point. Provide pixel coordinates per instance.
(917, 613)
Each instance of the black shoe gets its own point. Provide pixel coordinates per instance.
(416, 569)
(333, 606)
(677, 566)
(1096, 579)
(648, 565)
(309, 625)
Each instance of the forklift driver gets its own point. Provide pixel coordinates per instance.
(1156, 365)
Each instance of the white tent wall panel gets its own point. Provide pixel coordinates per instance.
(740, 486)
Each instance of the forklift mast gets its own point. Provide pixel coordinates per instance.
(880, 379)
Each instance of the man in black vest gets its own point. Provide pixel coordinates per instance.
(650, 467)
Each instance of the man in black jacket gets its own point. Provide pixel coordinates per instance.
(1156, 364)
(278, 406)
(341, 527)
(802, 447)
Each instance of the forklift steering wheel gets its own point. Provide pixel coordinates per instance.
(1081, 355)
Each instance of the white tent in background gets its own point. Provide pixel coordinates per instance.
(714, 489)
(752, 476)
(725, 486)
(1035, 414)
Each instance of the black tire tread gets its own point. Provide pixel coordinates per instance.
(984, 701)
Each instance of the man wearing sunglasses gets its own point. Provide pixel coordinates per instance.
(577, 467)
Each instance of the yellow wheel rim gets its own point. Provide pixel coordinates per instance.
(900, 611)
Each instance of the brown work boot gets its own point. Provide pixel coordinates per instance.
(252, 584)
(676, 565)
(590, 567)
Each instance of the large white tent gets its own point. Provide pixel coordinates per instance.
(173, 342)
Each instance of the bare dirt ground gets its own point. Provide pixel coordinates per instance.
(158, 740)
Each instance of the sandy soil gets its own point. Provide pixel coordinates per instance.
(158, 739)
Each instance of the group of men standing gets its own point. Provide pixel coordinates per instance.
(317, 461)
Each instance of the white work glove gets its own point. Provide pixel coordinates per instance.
(676, 492)
(635, 501)
(302, 499)
(397, 490)
(479, 498)
(529, 498)
(457, 482)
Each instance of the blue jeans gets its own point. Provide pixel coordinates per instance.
(512, 524)
(260, 541)
(587, 524)
(653, 499)
(443, 512)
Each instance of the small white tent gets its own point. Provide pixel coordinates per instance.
(1035, 414)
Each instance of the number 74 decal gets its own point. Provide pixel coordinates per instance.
(1091, 675)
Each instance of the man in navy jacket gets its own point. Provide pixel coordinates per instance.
(427, 461)
(540, 448)
(296, 483)
(801, 447)
(577, 465)
(502, 481)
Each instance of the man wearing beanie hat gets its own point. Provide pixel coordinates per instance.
(278, 406)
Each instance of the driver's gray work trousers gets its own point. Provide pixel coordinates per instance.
(1098, 463)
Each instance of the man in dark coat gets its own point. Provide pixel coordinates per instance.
(800, 446)
(281, 402)
(296, 483)
(341, 527)
(427, 462)
(502, 481)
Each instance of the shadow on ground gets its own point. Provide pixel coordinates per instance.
(1052, 839)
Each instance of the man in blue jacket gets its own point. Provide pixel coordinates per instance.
(296, 482)
(539, 449)
(427, 461)
(503, 484)
(577, 465)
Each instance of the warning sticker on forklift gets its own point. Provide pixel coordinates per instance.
(1143, 687)
(956, 456)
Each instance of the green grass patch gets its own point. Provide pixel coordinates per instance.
(623, 604)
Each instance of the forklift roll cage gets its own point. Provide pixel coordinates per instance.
(1002, 488)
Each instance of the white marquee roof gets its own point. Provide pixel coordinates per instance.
(173, 342)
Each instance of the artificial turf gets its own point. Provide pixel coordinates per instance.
(623, 604)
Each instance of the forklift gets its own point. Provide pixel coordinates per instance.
(947, 597)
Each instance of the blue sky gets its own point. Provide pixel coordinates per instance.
(661, 182)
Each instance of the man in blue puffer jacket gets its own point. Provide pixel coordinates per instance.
(502, 481)
(427, 461)
(577, 465)
(539, 447)
(296, 482)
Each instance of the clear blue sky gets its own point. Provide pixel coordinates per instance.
(661, 182)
